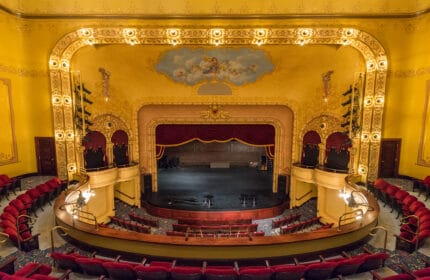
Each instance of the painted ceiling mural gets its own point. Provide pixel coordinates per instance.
(193, 66)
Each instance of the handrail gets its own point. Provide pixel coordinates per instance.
(346, 216)
(4, 240)
(300, 198)
(94, 218)
(52, 235)
(373, 233)
(124, 194)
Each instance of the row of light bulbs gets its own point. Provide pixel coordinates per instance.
(217, 37)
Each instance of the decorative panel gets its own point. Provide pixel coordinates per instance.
(8, 151)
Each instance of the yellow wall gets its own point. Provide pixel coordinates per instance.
(28, 43)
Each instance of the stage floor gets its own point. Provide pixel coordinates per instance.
(235, 188)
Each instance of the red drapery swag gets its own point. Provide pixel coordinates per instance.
(169, 135)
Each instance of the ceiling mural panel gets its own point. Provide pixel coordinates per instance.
(192, 66)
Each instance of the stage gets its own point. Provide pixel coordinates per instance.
(214, 189)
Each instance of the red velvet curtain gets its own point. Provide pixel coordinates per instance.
(119, 137)
(338, 141)
(311, 137)
(262, 135)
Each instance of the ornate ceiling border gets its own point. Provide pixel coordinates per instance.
(371, 50)
(271, 13)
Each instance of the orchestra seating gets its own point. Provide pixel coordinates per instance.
(8, 185)
(423, 186)
(320, 269)
(416, 222)
(32, 270)
(15, 219)
(215, 229)
(143, 220)
(302, 225)
(130, 225)
(285, 220)
(212, 222)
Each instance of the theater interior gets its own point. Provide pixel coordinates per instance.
(217, 139)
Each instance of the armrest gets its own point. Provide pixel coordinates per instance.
(346, 255)
(65, 275)
(426, 262)
(366, 250)
(403, 268)
(266, 262)
(8, 266)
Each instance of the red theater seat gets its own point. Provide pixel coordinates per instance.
(152, 272)
(92, 266)
(186, 273)
(288, 272)
(221, 273)
(120, 271)
(255, 273)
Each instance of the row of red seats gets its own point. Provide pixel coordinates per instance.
(8, 185)
(214, 235)
(423, 186)
(285, 220)
(143, 220)
(214, 222)
(302, 225)
(406, 274)
(15, 217)
(322, 270)
(416, 227)
(130, 225)
(215, 228)
(37, 271)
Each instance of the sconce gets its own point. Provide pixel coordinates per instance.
(73, 207)
(353, 202)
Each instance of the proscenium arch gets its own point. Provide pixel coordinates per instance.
(150, 116)
(371, 50)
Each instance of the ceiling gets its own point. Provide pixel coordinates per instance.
(214, 8)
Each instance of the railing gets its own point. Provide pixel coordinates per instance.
(52, 235)
(356, 214)
(124, 194)
(373, 233)
(301, 197)
(5, 235)
(93, 218)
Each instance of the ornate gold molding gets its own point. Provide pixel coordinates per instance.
(134, 9)
(412, 72)
(22, 72)
(371, 50)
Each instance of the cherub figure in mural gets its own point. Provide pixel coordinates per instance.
(209, 65)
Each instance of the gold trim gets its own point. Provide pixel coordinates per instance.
(14, 156)
(371, 50)
(202, 16)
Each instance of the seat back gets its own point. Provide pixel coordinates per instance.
(152, 272)
(186, 273)
(319, 271)
(255, 273)
(372, 261)
(120, 271)
(289, 272)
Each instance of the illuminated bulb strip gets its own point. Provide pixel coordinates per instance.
(216, 36)
(173, 36)
(130, 36)
(260, 36)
